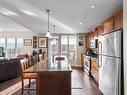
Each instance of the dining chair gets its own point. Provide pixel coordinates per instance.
(24, 65)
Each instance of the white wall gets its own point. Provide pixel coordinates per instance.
(125, 44)
(24, 34)
(44, 49)
(80, 49)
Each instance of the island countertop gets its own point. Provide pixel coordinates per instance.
(47, 66)
(51, 75)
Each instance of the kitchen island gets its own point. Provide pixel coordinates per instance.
(54, 78)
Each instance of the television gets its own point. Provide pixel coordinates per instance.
(1, 52)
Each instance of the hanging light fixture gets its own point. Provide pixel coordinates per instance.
(54, 40)
(48, 33)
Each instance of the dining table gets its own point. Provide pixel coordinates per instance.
(53, 77)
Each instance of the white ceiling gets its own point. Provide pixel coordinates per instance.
(9, 25)
(30, 15)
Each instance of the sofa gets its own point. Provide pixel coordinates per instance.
(9, 69)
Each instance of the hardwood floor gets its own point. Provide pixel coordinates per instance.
(81, 85)
(89, 87)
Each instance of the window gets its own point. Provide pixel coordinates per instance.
(19, 44)
(12, 46)
(64, 44)
(72, 42)
(72, 47)
(10, 49)
(68, 47)
(2, 43)
(10, 43)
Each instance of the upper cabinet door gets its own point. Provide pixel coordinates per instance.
(87, 41)
(118, 20)
(95, 34)
(100, 30)
(91, 36)
(108, 25)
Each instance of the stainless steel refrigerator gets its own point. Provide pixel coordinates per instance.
(110, 63)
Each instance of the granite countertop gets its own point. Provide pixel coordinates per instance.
(92, 56)
(46, 66)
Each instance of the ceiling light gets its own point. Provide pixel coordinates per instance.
(93, 6)
(48, 33)
(80, 23)
(50, 11)
(27, 12)
(7, 12)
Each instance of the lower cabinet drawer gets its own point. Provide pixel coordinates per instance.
(95, 75)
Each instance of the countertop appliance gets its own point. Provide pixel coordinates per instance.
(110, 63)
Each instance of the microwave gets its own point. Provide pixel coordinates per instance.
(93, 43)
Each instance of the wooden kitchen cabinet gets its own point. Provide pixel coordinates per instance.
(95, 33)
(95, 69)
(87, 41)
(87, 38)
(91, 36)
(118, 20)
(108, 25)
(82, 60)
(100, 30)
(113, 23)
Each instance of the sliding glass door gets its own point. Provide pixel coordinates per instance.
(72, 48)
(68, 47)
(65, 45)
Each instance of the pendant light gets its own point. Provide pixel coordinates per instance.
(54, 40)
(48, 33)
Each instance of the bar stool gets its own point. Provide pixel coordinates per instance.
(24, 65)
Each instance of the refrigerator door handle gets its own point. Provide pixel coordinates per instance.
(100, 63)
(98, 54)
